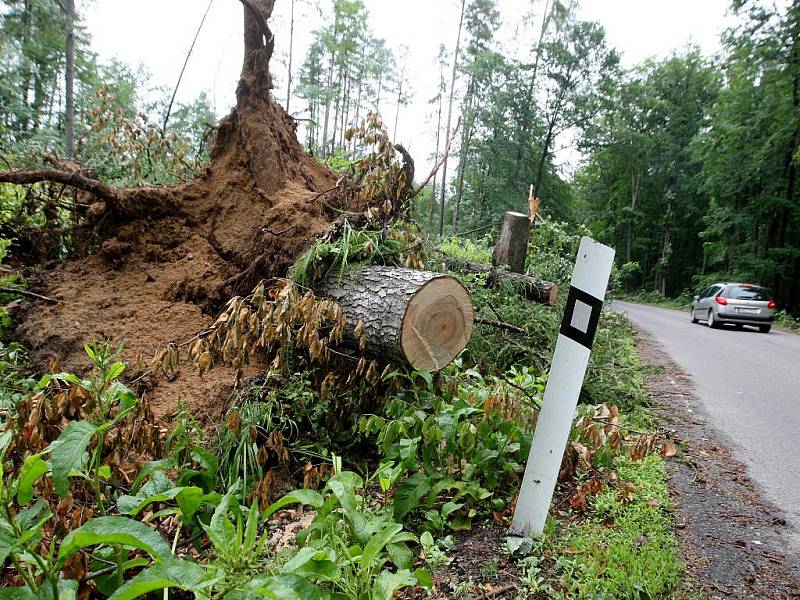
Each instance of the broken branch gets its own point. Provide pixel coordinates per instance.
(10, 290)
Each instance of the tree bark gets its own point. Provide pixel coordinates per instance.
(512, 246)
(450, 117)
(537, 290)
(69, 83)
(419, 318)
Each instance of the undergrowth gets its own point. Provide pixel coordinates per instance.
(624, 548)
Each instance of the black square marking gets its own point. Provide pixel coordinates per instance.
(575, 325)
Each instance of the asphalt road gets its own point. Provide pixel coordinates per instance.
(749, 384)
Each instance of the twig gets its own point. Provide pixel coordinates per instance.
(10, 290)
(277, 233)
(100, 573)
(498, 591)
(323, 192)
(439, 163)
(183, 69)
(532, 399)
(477, 229)
(499, 324)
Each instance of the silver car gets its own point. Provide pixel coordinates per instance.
(736, 303)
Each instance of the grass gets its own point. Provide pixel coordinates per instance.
(622, 549)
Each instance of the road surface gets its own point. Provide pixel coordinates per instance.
(749, 384)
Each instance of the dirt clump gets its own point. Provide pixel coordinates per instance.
(171, 256)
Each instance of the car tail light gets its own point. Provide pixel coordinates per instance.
(721, 301)
(771, 304)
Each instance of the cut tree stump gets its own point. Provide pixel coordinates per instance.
(532, 288)
(417, 317)
(512, 245)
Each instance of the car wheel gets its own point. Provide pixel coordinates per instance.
(712, 322)
(692, 316)
(764, 328)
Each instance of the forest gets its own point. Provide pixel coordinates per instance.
(263, 356)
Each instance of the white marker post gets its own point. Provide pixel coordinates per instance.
(574, 345)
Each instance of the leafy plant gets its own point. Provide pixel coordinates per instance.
(453, 449)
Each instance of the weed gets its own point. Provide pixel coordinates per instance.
(625, 549)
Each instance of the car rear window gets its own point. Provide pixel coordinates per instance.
(746, 292)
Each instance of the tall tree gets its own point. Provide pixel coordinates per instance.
(482, 20)
(450, 116)
(69, 82)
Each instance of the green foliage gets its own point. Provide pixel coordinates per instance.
(449, 451)
(346, 72)
(625, 549)
(14, 382)
(614, 374)
(352, 249)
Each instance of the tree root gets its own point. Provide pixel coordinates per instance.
(126, 203)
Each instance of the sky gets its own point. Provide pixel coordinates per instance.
(156, 34)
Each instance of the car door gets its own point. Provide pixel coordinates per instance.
(700, 308)
(706, 301)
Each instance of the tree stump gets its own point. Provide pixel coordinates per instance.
(420, 318)
(512, 245)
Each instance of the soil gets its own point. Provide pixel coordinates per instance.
(168, 264)
(734, 543)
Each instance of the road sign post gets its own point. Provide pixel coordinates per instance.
(576, 336)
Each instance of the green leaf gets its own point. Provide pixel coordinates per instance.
(114, 530)
(30, 472)
(67, 590)
(68, 451)
(315, 564)
(424, 578)
(150, 468)
(388, 583)
(281, 587)
(344, 485)
(449, 508)
(376, 543)
(182, 574)
(8, 540)
(32, 518)
(115, 371)
(401, 555)
(5, 440)
(304, 497)
(192, 498)
(220, 530)
(409, 494)
(133, 505)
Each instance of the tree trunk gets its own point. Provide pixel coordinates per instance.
(69, 83)
(537, 290)
(450, 117)
(512, 246)
(420, 318)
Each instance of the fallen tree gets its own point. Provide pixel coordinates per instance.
(408, 316)
(532, 288)
(172, 257)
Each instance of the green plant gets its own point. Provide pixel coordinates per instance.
(14, 383)
(367, 546)
(453, 449)
(625, 548)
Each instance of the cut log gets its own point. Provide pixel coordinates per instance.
(532, 288)
(420, 318)
(512, 245)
